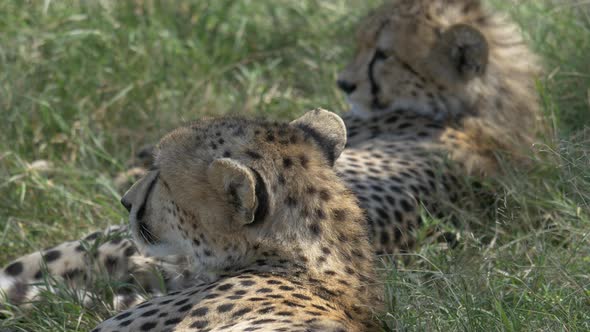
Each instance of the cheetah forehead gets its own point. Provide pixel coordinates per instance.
(244, 139)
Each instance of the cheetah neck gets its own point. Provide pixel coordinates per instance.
(321, 240)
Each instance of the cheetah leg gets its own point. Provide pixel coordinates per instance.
(83, 267)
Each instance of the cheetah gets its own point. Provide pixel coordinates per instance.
(270, 250)
(400, 158)
(457, 63)
(110, 254)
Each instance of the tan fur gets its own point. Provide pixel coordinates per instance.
(495, 110)
(202, 201)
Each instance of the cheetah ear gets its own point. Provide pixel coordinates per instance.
(327, 129)
(237, 183)
(460, 54)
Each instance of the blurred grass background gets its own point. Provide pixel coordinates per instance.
(84, 84)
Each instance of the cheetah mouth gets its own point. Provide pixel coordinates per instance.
(145, 233)
(142, 230)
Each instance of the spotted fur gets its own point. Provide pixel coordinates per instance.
(276, 240)
(456, 62)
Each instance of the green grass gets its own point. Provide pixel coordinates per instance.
(83, 84)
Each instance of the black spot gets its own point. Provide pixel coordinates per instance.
(390, 199)
(291, 201)
(339, 214)
(253, 155)
(263, 321)
(320, 214)
(123, 315)
(225, 287)
(144, 305)
(226, 154)
(384, 237)
(71, 274)
(398, 216)
(247, 282)
(265, 310)
(292, 304)
(392, 119)
(181, 302)
(406, 206)
(149, 313)
(313, 313)
(238, 132)
(148, 326)
(275, 296)
(173, 321)
(304, 161)
(200, 312)
(302, 297)
(324, 195)
(377, 188)
(317, 306)
(14, 269)
(199, 324)
(287, 162)
(315, 229)
(225, 307)
(256, 299)
(382, 213)
(404, 125)
(376, 197)
(241, 312)
(185, 307)
(52, 255)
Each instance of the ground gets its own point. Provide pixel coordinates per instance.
(84, 85)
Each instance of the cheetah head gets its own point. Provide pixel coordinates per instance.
(219, 188)
(441, 58)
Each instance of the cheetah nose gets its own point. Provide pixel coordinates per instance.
(345, 86)
(126, 204)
